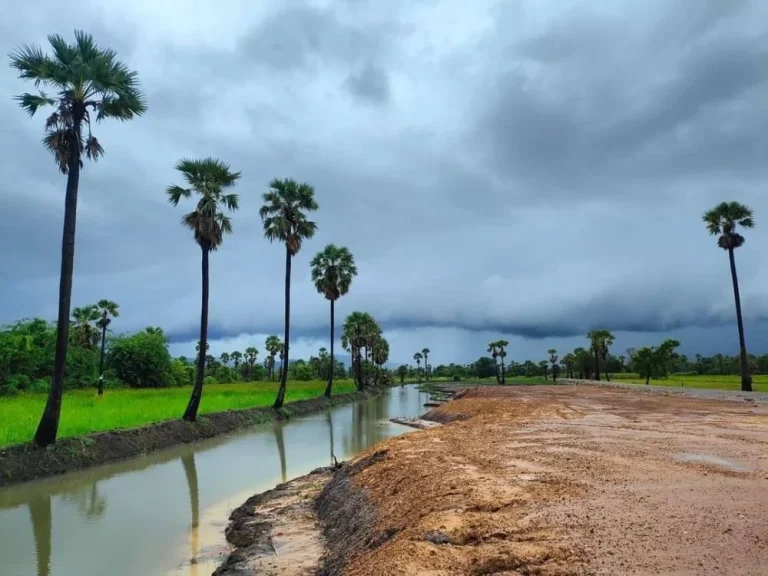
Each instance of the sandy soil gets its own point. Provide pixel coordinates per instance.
(559, 480)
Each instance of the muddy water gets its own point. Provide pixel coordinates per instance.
(165, 514)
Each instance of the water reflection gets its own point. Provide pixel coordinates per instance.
(134, 517)
(40, 514)
(280, 441)
(190, 471)
(329, 419)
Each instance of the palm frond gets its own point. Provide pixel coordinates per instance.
(93, 150)
(176, 193)
(31, 103)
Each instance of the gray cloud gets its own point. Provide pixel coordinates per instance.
(524, 169)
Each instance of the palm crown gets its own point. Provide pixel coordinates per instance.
(332, 271)
(107, 310)
(208, 178)
(87, 80)
(283, 213)
(722, 221)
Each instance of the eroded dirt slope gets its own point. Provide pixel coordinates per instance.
(561, 480)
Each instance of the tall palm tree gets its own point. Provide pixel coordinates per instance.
(224, 358)
(251, 354)
(332, 272)
(354, 336)
(272, 345)
(285, 220)
(594, 337)
(88, 80)
(418, 356)
(107, 310)
(722, 221)
(208, 179)
(426, 352)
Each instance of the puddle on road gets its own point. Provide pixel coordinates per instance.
(712, 459)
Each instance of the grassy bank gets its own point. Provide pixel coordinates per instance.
(83, 412)
(730, 382)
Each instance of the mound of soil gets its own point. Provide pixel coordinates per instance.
(558, 480)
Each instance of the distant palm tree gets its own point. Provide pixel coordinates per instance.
(494, 352)
(501, 346)
(272, 345)
(569, 360)
(426, 352)
(553, 360)
(87, 80)
(285, 220)
(543, 365)
(107, 310)
(418, 356)
(225, 358)
(207, 178)
(83, 319)
(236, 358)
(356, 334)
(722, 221)
(332, 272)
(251, 354)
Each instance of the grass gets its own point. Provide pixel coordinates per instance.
(730, 382)
(84, 412)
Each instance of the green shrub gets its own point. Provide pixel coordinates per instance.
(142, 360)
(456, 378)
(208, 380)
(182, 374)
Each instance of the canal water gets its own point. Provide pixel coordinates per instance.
(165, 513)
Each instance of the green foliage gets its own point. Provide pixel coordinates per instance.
(142, 360)
(300, 370)
(182, 373)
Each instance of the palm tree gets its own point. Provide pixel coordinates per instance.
(251, 354)
(354, 336)
(87, 80)
(501, 346)
(594, 337)
(107, 310)
(553, 360)
(543, 365)
(224, 358)
(207, 178)
(722, 221)
(84, 330)
(426, 352)
(493, 351)
(284, 217)
(236, 358)
(606, 340)
(332, 271)
(569, 360)
(272, 345)
(418, 356)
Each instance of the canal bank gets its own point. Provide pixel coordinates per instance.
(26, 462)
(165, 513)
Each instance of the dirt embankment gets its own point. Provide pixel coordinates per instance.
(26, 462)
(558, 480)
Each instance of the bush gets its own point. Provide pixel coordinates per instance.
(142, 360)
(209, 380)
(182, 374)
(82, 368)
(456, 378)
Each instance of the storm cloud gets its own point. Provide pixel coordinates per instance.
(528, 169)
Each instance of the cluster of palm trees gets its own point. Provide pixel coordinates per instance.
(89, 323)
(418, 357)
(498, 351)
(91, 85)
(362, 337)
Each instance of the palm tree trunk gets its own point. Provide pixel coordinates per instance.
(597, 366)
(49, 423)
(503, 375)
(426, 368)
(746, 379)
(101, 359)
(190, 471)
(190, 414)
(605, 366)
(330, 372)
(284, 369)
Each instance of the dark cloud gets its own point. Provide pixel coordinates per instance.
(513, 168)
(369, 83)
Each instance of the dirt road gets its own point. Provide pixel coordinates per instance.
(559, 480)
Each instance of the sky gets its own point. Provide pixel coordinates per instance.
(522, 169)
